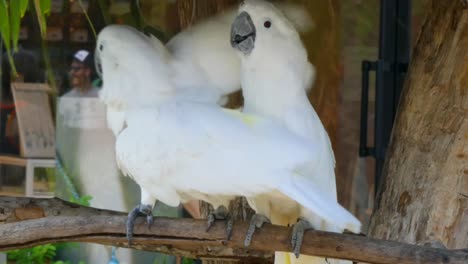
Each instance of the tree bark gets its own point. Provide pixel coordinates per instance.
(423, 197)
(27, 222)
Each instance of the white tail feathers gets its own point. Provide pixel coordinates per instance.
(318, 203)
(322, 210)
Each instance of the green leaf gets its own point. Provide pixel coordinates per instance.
(17, 11)
(23, 6)
(84, 200)
(41, 14)
(45, 7)
(5, 32)
(39, 254)
(5, 24)
(15, 21)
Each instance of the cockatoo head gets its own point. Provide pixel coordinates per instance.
(132, 69)
(266, 36)
(260, 23)
(118, 44)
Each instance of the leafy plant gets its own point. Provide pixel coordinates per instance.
(66, 262)
(42, 10)
(83, 200)
(37, 255)
(11, 13)
(45, 253)
(188, 261)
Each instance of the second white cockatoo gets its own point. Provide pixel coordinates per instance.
(189, 62)
(200, 61)
(178, 150)
(203, 65)
(275, 75)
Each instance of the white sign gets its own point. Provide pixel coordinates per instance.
(82, 112)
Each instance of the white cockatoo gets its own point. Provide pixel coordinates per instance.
(275, 77)
(200, 60)
(178, 150)
(205, 68)
(187, 59)
(203, 59)
(190, 59)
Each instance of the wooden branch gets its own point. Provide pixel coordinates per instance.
(27, 222)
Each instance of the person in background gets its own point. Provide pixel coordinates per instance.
(81, 76)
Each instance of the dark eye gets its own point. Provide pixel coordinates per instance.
(101, 47)
(267, 24)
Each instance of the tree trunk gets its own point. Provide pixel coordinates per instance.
(424, 194)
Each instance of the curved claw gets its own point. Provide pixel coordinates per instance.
(221, 213)
(298, 235)
(229, 227)
(149, 220)
(256, 221)
(131, 222)
(139, 209)
(211, 220)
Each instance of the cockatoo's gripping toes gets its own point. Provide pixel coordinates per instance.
(144, 209)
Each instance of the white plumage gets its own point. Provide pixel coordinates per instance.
(203, 59)
(180, 150)
(178, 146)
(275, 75)
(189, 62)
(189, 146)
(200, 60)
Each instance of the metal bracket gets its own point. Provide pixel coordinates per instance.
(390, 69)
(366, 67)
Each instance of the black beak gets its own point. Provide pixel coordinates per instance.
(243, 33)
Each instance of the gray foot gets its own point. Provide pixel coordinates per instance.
(257, 221)
(144, 209)
(221, 213)
(298, 235)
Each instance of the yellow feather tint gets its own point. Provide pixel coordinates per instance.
(247, 119)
